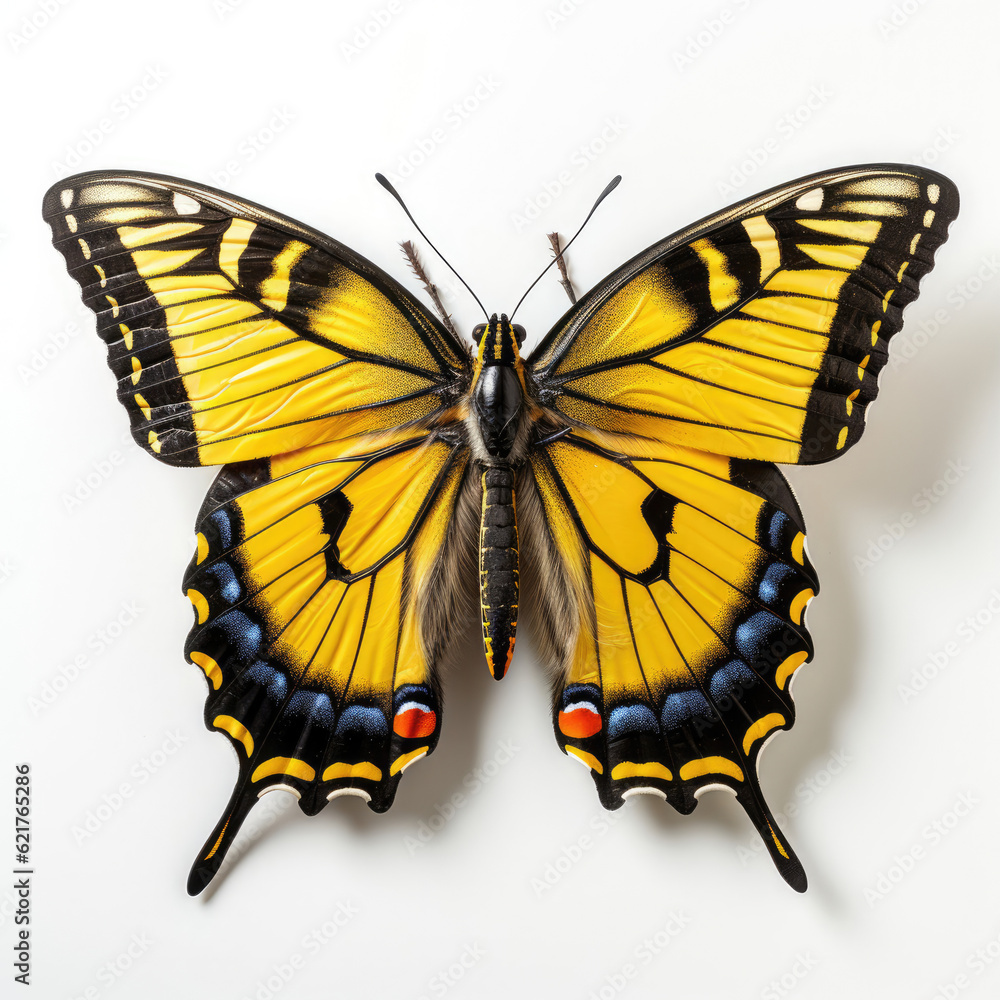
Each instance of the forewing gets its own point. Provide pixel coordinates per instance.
(759, 332)
(237, 334)
(684, 582)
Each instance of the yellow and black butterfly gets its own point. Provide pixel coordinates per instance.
(371, 464)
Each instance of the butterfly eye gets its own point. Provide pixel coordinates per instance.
(518, 333)
(477, 332)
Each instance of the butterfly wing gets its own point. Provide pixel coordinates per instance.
(328, 559)
(758, 332)
(236, 333)
(324, 587)
(679, 586)
(675, 547)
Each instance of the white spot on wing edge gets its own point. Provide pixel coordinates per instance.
(644, 790)
(811, 201)
(805, 546)
(184, 205)
(279, 788)
(422, 756)
(66, 197)
(933, 193)
(699, 792)
(805, 614)
(338, 792)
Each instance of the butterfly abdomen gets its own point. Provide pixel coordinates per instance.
(498, 568)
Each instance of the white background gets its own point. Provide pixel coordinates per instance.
(596, 91)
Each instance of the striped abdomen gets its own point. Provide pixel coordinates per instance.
(498, 574)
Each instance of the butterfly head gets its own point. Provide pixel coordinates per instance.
(499, 341)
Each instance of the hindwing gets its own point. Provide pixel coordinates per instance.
(688, 582)
(310, 588)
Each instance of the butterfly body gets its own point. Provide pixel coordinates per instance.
(498, 422)
(369, 462)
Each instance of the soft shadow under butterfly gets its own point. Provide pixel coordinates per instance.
(371, 464)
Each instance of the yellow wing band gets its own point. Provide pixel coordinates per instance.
(710, 765)
(235, 729)
(290, 766)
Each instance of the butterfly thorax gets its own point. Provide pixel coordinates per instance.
(498, 388)
(496, 415)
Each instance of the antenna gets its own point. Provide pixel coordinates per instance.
(384, 181)
(615, 181)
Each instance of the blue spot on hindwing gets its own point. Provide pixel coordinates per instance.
(755, 634)
(778, 524)
(220, 519)
(683, 706)
(229, 586)
(260, 673)
(626, 720)
(244, 635)
(730, 680)
(769, 588)
(278, 686)
(358, 720)
(312, 705)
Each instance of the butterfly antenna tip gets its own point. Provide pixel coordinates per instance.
(385, 182)
(612, 184)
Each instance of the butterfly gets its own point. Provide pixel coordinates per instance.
(376, 473)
